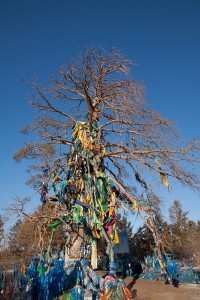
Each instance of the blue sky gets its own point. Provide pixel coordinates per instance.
(37, 36)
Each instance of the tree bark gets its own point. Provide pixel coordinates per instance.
(75, 250)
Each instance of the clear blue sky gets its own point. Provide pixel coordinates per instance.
(161, 36)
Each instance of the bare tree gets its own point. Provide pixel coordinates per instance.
(1, 230)
(93, 122)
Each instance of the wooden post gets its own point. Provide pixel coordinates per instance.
(94, 263)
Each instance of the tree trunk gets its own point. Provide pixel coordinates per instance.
(75, 248)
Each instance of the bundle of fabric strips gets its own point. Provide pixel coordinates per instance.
(47, 281)
(84, 190)
(168, 270)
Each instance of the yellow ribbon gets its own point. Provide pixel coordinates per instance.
(23, 270)
(162, 175)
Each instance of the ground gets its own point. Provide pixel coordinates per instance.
(158, 290)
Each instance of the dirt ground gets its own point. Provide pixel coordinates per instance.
(157, 290)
